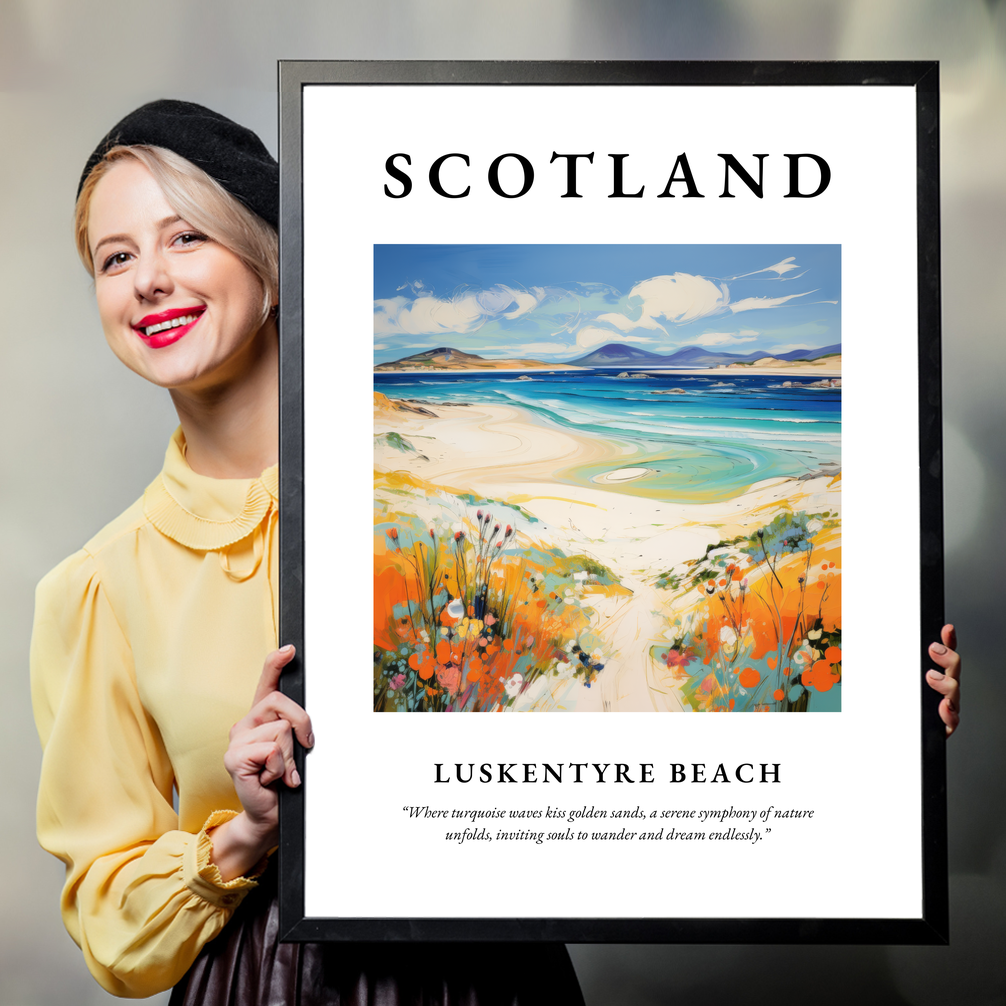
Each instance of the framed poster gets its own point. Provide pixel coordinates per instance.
(610, 393)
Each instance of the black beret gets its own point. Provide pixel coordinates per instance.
(230, 154)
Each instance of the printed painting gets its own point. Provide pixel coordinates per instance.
(607, 478)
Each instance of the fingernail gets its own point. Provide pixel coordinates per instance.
(951, 706)
(295, 777)
(310, 740)
(287, 649)
(936, 675)
(938, 648)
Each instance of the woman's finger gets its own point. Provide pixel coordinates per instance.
(948, 659)
(260, 760)
(949, 636)
(277, 706)
(949, 687)
(274, 765)
(271, 671)
(950, 715)
(944, 684)
(280, 732)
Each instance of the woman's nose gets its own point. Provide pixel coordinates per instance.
(152, 277)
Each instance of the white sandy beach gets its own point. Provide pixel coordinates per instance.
(504, 453)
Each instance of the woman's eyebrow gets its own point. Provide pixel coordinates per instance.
(160, 225)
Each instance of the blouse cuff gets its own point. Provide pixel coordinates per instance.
(202, 876)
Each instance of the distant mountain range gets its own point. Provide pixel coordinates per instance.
(614, 354)
(618, 354)
(446, 358)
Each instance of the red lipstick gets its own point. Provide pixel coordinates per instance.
(166, 327)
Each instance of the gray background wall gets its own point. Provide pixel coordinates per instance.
(81, 436)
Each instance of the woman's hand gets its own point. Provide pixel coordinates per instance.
(948, 681)
(260, 753)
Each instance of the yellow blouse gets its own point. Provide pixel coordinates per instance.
(147, 647)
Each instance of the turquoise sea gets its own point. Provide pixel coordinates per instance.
(705, 436)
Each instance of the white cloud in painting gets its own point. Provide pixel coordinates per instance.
(724, 338)
(675, 299)
(626, 324)
(780, 268)
(461, 314)
(762, 303)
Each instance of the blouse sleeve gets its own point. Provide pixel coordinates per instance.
(141, 898)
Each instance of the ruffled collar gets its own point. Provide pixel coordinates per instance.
(203, 513)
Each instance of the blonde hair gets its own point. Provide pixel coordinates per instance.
(199, 200)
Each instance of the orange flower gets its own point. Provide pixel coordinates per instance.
(423, 663)
(749, 677)
(778, 695)
(443, 651)
(833, 655)
(820, 676)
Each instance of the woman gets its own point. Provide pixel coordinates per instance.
(148, 643)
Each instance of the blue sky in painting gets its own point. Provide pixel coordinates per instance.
(558, 302)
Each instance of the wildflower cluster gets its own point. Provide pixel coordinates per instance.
(465, 622)
(763, 627)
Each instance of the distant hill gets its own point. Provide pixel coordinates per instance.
(436, 357)
(446, 358)
(615, 354)
(618, 354)
(811, 354)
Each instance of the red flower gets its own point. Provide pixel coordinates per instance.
(393, 534)
(458, 535)
(678, 658)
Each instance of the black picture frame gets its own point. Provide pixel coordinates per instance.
(932, 925)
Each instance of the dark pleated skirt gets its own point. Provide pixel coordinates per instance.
(246, 965)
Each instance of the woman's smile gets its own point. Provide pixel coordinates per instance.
(167, 327)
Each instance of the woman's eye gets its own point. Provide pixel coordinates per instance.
(114, 261)
(190, 238)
